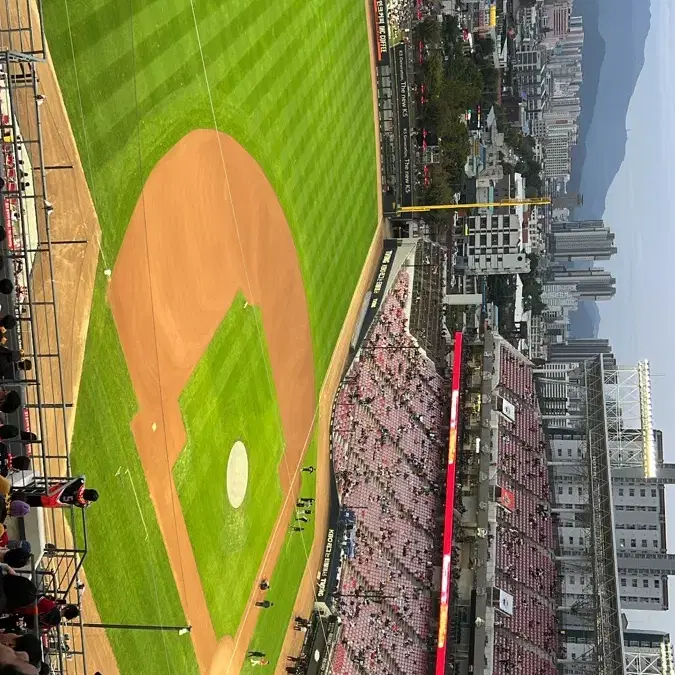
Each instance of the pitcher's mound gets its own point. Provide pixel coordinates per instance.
(237, 474)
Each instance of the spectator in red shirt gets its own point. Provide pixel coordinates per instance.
(72, 493)
(50, 611)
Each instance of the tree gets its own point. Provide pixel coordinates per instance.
(534, 262)
(538, 306)
(439, 190)
(484, 47)
(450, 32)
(429, 31)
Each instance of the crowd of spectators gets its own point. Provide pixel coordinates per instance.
(527, 641)
(400, 13)
(389, 436)
(14, 367)
(29, 613)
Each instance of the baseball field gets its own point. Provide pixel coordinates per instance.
(229, 147)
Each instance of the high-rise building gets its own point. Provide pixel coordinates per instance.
(568, 201)
(529, 77)
(578, 349)
(490, 244)
(556, 19)
(590, 284)
(582, 240)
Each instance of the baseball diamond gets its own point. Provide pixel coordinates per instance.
(238, 233)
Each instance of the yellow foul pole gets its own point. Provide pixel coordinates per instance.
(423, 208)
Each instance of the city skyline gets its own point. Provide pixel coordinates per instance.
(642, 261)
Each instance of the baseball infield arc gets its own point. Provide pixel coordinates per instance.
(208, 225)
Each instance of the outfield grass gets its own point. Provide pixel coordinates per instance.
(289, 79)
(270, 628)
(226, 400)
(129, 572)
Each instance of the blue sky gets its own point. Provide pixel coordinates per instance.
(641, 210)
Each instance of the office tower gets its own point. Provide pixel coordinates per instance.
(590, 284)
(583, 240)
(568, 201)
(577, 350)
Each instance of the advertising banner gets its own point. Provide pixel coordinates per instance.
(404, 142)
(379, 285)
(381, 32)
(330, 564)
(505, 602)
(507, 499)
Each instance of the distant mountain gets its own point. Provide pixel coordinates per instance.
(615, 32)
(584, 323)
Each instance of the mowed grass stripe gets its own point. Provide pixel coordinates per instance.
(161, 53)
(92, 21)
(306, 95)
(300, 85)
(172, 46)
(341, 246)
(297, 23)
(311, 172)
(310, 169)
(175, 66)
(326, 159)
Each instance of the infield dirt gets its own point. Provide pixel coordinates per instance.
(208, 225)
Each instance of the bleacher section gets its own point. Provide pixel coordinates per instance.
(427, 294)
(389, 436)
(527, 641)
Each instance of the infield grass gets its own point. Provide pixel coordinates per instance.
(228, 399)
(289, 79)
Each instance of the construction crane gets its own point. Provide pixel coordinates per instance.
(423, 208)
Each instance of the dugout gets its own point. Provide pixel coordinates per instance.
(318, 648)
(329, 573)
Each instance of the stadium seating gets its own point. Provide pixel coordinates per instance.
(388, 438)
(525, 566)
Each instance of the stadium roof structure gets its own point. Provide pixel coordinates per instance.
(608, 649)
